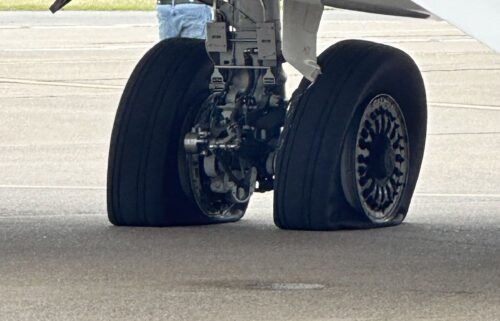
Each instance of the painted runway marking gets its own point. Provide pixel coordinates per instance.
(117, 26)
(104, 48)
(65, 215)
(58, 27)
(459, 134)
(464, 106)
(62, 61)
(55, 187)
(457, 195)
(57, 83)
(43, 145)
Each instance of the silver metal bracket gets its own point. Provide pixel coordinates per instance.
(266, 41)
(217, 83)
(216, 37)
(269, 79)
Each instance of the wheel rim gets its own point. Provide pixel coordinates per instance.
(211, 204)
(382, 156)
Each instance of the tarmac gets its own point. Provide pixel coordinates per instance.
(61, 78)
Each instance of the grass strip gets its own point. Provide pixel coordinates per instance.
(101, 5)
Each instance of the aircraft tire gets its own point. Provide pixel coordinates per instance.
(145, 172)
(353, 142)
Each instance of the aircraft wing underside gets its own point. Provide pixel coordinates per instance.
(480, 18)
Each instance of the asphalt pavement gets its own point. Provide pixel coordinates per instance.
(60, 81)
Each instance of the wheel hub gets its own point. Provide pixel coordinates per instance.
(226, 154)
(382, 158)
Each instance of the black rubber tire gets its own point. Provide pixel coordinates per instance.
(308, 188)
(145, 172)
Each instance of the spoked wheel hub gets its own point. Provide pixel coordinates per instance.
(382, 158)
(353, 142)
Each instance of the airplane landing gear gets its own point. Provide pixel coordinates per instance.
(351, 153)
(147, 174)
(201, 127)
